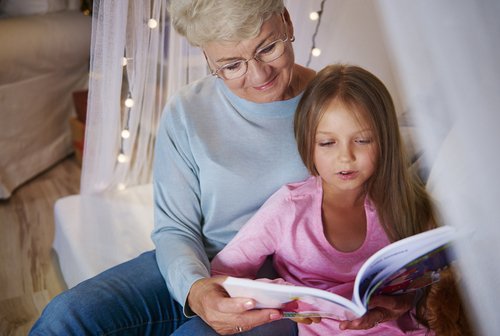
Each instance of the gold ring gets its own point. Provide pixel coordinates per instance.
(239, 329)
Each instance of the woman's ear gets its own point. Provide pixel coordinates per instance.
(289, 24)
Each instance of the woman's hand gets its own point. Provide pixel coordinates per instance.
(226, 315)
(382, 308)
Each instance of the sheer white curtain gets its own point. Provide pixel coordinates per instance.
(135, 55)
(441, 62)
(447, 54)
(186, 63)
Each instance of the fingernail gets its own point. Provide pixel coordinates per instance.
(248, 305)
(274, 316)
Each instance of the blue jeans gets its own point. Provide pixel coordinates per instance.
(129, 299)
(196, 326)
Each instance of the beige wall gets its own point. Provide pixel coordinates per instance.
(350, 32)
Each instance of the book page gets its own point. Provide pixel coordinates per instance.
(415, 274)
(294, 301)
(418, 273)
(394, 257)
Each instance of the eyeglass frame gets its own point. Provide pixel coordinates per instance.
(245, 61)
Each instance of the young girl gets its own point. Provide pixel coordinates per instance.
(361, 196)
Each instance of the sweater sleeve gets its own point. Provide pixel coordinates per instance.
(259, 238)
(177, 230)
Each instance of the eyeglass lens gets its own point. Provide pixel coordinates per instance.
(266, 54)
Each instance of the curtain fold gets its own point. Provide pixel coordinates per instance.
(447, 55)
(105, 82)
(137, 56)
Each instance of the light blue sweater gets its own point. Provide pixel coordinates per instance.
(218, 158)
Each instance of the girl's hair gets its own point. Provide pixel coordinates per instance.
(202, 21)
(403, 205)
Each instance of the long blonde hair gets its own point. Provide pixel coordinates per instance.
(403, 204)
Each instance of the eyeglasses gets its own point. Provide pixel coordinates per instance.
(266, 54)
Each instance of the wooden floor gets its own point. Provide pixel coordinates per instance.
(29, 272)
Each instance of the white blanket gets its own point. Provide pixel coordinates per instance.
(96, 232)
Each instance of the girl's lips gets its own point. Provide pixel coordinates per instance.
(347, 175)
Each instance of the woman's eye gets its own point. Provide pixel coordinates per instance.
(267, 50)
(326, 143)
(232, 66)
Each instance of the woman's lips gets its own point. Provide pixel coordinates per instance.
(266, 85)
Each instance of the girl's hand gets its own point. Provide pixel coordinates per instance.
(208, 299)
(382, 308)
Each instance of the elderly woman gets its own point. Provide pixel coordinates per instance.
(225, 144)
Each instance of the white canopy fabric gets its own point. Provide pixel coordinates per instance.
(447, 55)
(135, 55)
(439, 59)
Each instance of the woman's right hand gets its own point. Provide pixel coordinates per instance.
(208, 299)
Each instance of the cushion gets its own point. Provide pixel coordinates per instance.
(31, 7)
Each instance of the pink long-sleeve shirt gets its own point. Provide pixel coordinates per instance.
(289, 227)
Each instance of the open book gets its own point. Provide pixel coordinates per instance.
(401, 267)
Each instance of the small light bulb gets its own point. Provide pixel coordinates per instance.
(122, 158)
(314, 16)
(129, 102)
(124, 61)
(152, 23)
(316, 52)
(121, 186)
(125, 134)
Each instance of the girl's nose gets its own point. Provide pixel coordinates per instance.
(345, 153)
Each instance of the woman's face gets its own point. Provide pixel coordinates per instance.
(263, 82)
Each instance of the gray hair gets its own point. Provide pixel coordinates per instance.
(202, 21)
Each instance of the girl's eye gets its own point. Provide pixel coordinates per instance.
(326, 143)
(364, 141)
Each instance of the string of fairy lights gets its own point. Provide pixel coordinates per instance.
(128, 101)
(315, 16)
(127, 104)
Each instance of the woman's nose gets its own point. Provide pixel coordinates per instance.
(258, 71)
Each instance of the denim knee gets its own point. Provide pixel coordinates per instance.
(59, 317)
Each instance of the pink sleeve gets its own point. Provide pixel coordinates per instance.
(257, 239)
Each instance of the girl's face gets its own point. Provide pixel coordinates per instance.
(345, 150)
(263, 82)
